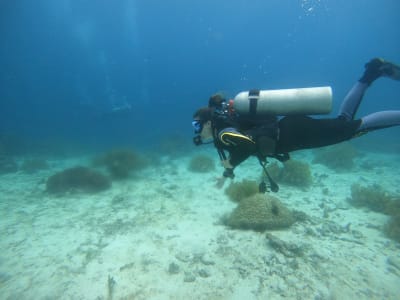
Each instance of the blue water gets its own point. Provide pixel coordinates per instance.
(79, 77)
(67, 65)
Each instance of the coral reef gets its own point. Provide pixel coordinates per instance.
(372, 197)
(273, 169)
(392, 227)
(201, 164)
(79, 178)
(338, 157)
(379, 200)
(295, 173)
(260, 212)
(33, 165)
(237, 191)
(120, 163)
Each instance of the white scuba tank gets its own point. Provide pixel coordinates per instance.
(305, 101)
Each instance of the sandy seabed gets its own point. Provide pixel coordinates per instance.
(159, 235)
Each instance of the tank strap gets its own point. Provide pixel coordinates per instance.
(254, 95)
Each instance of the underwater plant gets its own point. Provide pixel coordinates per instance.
(81, 179)
(294, 172)
(201, 164)
(338, 157)
(120, 163)
(260, 212)
(372, 197)
(375, 198)
(392, 227)
(273, 169)
(237, 191)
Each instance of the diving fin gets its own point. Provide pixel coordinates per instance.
(390, 70)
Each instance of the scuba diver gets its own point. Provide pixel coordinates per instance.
(252, 134)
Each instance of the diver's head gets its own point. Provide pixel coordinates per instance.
(202, 124)
(216, 101)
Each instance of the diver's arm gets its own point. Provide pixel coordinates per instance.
(228, 173)
(239, 146)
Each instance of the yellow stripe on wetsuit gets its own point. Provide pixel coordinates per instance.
(234, 135)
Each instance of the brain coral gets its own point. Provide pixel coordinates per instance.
(77, 179)
(237, 191)
(120, 163)
(338, 157)
(260, 212)
(294, 172)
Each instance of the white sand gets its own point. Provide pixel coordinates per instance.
(159, 236)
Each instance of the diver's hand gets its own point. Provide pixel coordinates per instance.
(228, 173)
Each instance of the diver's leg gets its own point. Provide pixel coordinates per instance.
(352, 101)
(379, 120)
(374, 69)
(303, 132)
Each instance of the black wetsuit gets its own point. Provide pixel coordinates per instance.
(303, 132)
(290, 133)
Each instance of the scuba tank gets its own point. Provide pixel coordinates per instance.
(300, 101)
